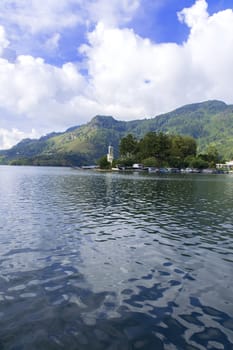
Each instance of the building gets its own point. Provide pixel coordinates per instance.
(138, 166)
(110, 155)
(227, 165)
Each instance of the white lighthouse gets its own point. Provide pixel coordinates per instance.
(110, 156)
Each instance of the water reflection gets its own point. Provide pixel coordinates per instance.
(111, 261)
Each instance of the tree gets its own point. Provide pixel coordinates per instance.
(155, 145)
(182, 147)
(128, 146)
(160, 149)
(103, 163)
(164, 150)
(211, 156)
(150, 162)
(198, 163)
(148, 145)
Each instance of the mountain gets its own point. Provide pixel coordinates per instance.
(210, 123)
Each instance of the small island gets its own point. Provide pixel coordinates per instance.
(163, 153)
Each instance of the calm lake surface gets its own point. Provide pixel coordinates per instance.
(115, 261)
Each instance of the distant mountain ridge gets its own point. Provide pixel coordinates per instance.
(210, 123)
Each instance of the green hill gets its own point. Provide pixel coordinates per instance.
(210, 123)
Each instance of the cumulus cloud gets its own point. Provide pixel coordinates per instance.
(195, 15)
(39, 91)
(131, 76)
(125, 75)
(210, 51)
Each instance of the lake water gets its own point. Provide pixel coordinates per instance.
(94, 260)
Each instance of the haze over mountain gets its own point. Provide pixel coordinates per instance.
(210, 123)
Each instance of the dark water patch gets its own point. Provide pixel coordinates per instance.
(193, 318)
(212, 336)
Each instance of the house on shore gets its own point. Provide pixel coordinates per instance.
(227, 165)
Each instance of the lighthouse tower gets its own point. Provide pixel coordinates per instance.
(110, 156)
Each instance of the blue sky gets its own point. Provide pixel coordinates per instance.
(62, 62)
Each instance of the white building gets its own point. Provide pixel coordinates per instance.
(110, 155)
(138, 166)
(228, 165)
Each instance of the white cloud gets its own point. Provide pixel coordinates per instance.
(39, 92)
(210, 49)
(112, 12)
(133, 77)
(195, 15)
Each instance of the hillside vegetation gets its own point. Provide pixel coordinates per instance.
(210, 123)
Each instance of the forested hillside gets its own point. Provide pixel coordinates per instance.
(210, 123)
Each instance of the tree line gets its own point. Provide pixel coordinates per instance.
(164, 150)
